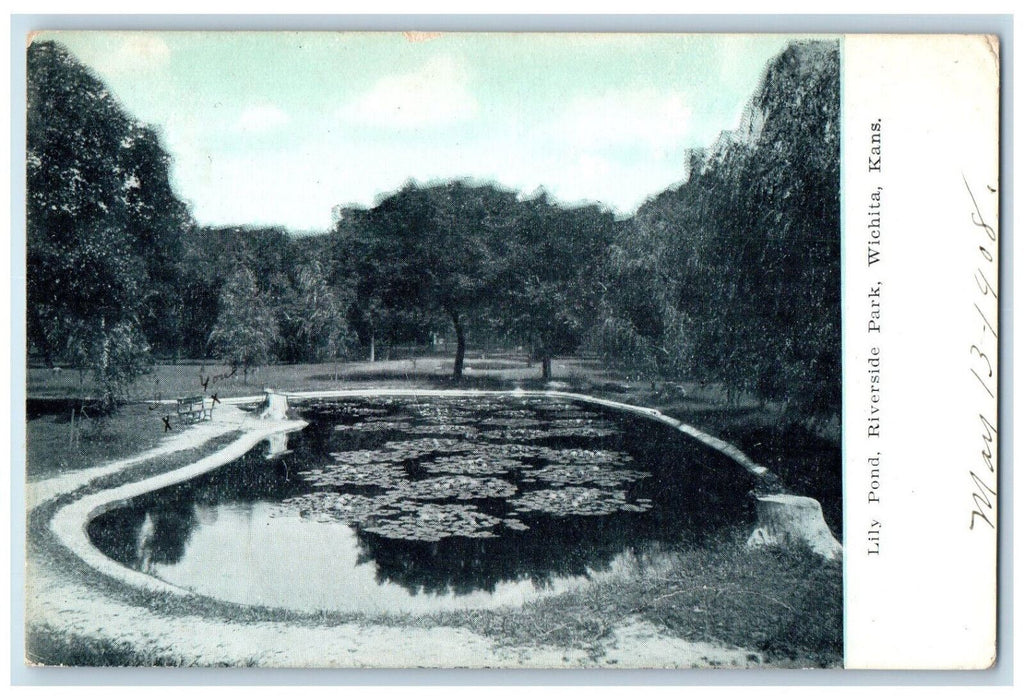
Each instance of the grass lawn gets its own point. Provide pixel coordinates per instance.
(786, 604)
(168, 381)
(59, 443)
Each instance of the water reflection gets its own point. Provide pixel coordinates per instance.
(277, 445)
(227, 533)
(550, 551)
(146, 537)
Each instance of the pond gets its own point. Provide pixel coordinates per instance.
(418, 504)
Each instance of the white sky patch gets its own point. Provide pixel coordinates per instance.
(435, 94)
(299, 186)
(258, 119)
(287, 181)
(656, 121)
(135, 53)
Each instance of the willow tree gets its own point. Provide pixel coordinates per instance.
(246, 332)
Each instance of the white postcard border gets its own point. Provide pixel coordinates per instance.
(920, 199)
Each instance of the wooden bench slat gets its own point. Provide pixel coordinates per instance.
(194, 408)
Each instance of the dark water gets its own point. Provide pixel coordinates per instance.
(429, 503)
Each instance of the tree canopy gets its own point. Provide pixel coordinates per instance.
(731, 277)
(246, 331)
(734, 276)
(103, 225)
(441, 249)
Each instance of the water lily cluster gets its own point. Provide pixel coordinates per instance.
(467, 468)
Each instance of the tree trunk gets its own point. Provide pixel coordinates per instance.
(545, 365)
(460, 348)
(42, 343)
(373, 348)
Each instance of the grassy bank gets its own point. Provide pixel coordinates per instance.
(786, 605)
(59, 443)
(46, 645)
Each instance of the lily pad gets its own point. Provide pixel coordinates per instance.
(431, 522)
(457, 486)
(584, 473)
(472, 464)
(372, 426)
(598, 457)
(516, 434)
(364, 411)
(515, 524)
(421, 447)
(507, 422)
(576, 500)
(459, 430)
(364, 468)
(506, 413)
(328, 506)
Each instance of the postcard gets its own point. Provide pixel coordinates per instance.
(499, 350)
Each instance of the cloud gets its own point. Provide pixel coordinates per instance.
(435, 94)
(134, 53)
(259, 119)
(656, 121)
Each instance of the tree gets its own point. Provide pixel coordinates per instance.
(734, 276)
(246, 330)
(312, 318)
(157, 221)
(269, 253)
(438, 250)
(102, 225)
(550, 293)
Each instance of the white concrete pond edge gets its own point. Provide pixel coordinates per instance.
(69, 523)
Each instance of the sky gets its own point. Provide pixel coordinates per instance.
(281, 128)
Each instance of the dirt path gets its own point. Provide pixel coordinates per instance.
(194, 640)
(226, 419)
(58, 599)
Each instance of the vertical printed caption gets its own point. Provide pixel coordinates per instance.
(873, 324)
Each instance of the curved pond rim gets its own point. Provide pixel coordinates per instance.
(728, 449)
(70, 522)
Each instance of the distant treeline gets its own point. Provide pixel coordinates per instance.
(731, 278)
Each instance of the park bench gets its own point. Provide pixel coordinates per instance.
(193, 409)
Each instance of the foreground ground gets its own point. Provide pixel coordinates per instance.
(715, 605)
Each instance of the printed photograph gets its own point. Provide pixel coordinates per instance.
(433, 350)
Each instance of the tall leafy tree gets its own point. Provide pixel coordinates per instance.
(312, 318)
(246, 332)
(549, 293)
(208, 254)
(102, 227)
(438, 249)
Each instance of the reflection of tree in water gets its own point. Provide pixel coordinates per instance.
(172, 525)
(553, 547)
(145, 535)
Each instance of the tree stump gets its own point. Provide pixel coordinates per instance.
(275, 406)
(785, 520)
